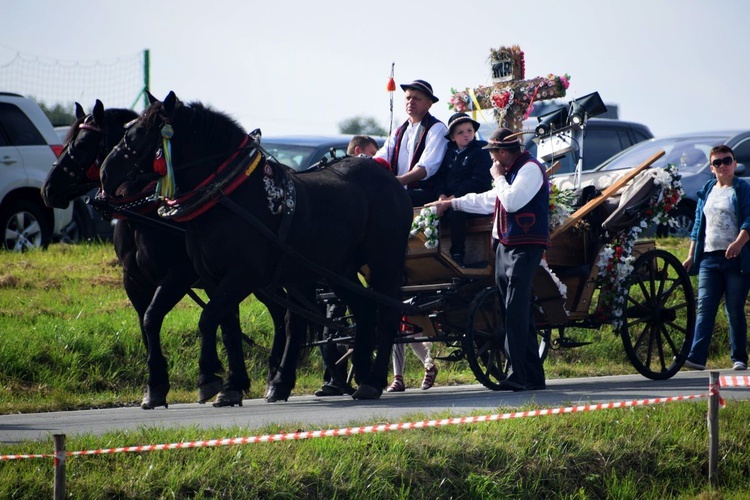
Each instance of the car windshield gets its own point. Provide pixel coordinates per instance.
(688, 153)
(290, 154)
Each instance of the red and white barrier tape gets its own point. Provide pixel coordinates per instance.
(735, 380)
(370, 429)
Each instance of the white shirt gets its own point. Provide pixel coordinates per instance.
(721, 219)
(514, 196)
(432, 156)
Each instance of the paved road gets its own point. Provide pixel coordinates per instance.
(311, 413)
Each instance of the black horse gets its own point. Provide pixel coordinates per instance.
(252, 224)
(157, 272)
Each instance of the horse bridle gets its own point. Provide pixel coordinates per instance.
(91, 172)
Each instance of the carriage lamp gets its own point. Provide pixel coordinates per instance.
(585, 107)
(552, 121)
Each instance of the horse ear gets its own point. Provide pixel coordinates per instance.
(98, 112)
(170, 102)
(80, 113)
(255, 135)
(150, 97)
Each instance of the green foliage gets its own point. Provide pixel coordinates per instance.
(361, 125)
(59, 114)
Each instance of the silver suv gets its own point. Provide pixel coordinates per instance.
(29, 146)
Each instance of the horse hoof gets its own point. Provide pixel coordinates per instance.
(275, 394)
(228, 397)
(155, 397)
(367, 392)
(209, 390)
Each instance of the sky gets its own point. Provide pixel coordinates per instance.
(294, 67)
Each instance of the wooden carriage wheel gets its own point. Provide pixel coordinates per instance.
(485, 337)
(659, 315)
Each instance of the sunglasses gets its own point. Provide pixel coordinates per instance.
(727, 160)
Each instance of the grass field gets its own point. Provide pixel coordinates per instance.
(69, 339)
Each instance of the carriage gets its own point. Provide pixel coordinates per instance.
(651, 305)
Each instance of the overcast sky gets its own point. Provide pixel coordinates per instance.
(303, 67)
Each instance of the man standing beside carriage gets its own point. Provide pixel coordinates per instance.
(520, 201)
(415, 151)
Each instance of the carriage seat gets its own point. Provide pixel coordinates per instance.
(633, 200)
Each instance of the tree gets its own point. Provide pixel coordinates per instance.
(361, 125)
(59, 114)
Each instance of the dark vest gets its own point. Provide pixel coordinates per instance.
(529, 225)
(427, 122)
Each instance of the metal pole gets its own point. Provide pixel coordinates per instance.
(59, 491)
(146, 76)
(713, 426)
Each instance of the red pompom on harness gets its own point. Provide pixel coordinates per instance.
(160, 163)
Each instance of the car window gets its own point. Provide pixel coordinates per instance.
(687, 153)
(639, 136)
(290, 155)
(601, 144)
(18, 128)
(742, 155)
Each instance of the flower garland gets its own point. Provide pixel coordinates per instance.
(560, 205)
(426, 222)
(616, 258)
(519, 93)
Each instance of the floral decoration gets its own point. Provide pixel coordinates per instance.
(616, 258)
(560, 205)
(426, 222)
(511, 100)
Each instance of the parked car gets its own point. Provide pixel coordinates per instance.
(602, 138)
(302, 151)
(690, 152)
(28, 148)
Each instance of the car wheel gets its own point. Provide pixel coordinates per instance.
(80, 228)
(24, 226)
(684, 217)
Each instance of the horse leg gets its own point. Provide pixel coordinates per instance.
(280, 387)
(142, 298)
(373, 381)
(238, 383)
(277, 314)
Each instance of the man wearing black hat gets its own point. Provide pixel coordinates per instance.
(520, 198)
(416, 149)
(465, 169)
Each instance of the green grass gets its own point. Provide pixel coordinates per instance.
(69, 339)
(647, 452)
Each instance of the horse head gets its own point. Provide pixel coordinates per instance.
(186, 139)
(89, 140)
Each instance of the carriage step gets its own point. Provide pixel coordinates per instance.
(567, 343)
(456, 355)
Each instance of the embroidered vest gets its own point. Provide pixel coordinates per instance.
(427, 122)
(530, 224)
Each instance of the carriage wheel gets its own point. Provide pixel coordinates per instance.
(659, 318)
(484, 339)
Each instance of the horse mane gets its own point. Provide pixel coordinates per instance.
(73, 128)
(112, 115)
(223, 130)
(120, 115)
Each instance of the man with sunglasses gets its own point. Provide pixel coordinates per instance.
(719, 255)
